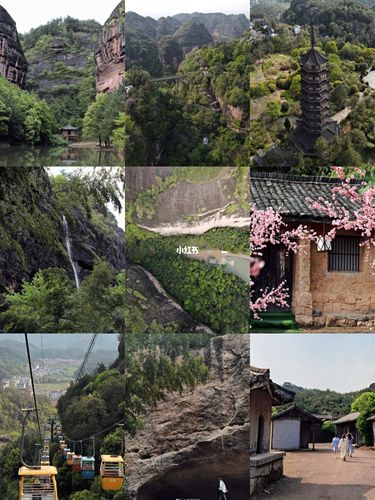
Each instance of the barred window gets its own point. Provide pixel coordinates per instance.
(344, 255)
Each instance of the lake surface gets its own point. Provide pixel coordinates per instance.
(47, 156)
(231, 263)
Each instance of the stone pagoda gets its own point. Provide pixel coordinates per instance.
(315, 121)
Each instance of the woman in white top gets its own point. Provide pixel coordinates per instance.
(223, 490)
(343, 446)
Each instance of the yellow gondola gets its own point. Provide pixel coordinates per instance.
(112, 472)
(69, 458)
(37, 483)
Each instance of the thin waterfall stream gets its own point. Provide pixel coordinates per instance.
(69, 248)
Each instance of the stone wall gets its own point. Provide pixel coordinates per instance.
(325, 298)
(264, 469)
(260, 404)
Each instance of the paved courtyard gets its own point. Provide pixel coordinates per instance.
(317, 475)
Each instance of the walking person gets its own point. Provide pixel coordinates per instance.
(222, 489)
(343, 446)
(335, 445)
(350, 444)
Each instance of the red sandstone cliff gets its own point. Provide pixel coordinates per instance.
(13, 65)
(110, 53)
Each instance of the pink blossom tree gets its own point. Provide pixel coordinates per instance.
(268, 228)
(359, 194)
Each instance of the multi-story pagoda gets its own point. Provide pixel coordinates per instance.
(315, 121)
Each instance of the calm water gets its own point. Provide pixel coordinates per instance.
(28, 156)
(231, 263)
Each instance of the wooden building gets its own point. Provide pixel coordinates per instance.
(266, 465)
(70, 133)
(294, 429)
(346, 424)
(329, 285)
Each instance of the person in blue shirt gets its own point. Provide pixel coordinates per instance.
(335, 445)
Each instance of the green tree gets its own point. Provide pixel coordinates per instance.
(365, 405)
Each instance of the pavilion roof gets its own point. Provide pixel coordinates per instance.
(313, 58)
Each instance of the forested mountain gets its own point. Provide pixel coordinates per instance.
(199, 119)
(350, 20)
(51, 78)
(61, 67)
(37, 283)
(326, 401)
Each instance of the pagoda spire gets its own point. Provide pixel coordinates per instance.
(312, 36)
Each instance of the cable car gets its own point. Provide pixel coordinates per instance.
(87, 467)
(69, 458)
(76, 465)
(112, 472)
(44, 459)
(37, 484)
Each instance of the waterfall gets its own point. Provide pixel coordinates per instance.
(69, 248)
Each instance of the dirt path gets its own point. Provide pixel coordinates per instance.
(317, 475)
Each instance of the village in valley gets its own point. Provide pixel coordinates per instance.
(293, 426)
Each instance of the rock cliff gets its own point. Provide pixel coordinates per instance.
(110, 53)
(191, 439)
(13, 65)
(33, 238)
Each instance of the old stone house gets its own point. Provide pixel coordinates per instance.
(294, 429)
(329, 285)
(266, 465)
(346, 424)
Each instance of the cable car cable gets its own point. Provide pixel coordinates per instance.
(86, 358)
(28, 411)
(33, 386)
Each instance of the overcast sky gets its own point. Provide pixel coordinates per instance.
(120, 217)
(169, 8)
(33, 13)
(341, 362)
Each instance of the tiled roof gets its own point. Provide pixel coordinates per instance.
(288, 194)
(260, 379)
(313, 58)
(296, 410)
(351, 417)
